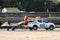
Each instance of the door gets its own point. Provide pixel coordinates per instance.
(41, 24)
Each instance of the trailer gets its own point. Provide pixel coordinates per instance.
(13, 26)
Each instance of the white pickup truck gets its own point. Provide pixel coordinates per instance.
(41, 24)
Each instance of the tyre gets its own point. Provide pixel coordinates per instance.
(35, 27)
(1, 28)
(30, 28)
(8, 29)
(51, 27)
(47, 28)
(13, 29)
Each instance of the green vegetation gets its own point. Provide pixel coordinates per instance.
(34, 5)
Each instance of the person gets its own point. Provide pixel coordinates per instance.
(26, 17)
(26, 20)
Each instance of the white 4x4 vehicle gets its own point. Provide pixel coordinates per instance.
(41, 24)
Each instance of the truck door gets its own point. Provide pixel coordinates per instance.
(41, 24)
(45, 23)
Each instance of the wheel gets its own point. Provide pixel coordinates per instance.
(30, 28)
(35, 27)
(8, 29)
(13, 29)
(1, 28)
(47, 28)
(51, 27)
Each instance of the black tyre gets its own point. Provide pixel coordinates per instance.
(8, 29)
(47, 28)
(35, 27)
(30, 28)
(13, 29)
(51, 27)
(1, 28)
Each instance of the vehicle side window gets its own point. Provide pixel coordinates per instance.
(39, 20)
(44, 21)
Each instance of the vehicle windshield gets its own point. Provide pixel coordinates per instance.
(39, 20)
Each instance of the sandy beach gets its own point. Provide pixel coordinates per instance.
(30, 35)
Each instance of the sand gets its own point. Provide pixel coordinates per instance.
(29, 35)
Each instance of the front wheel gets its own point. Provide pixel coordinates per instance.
(35, 27)
(13, 28)
(7, 29)
(51, 27)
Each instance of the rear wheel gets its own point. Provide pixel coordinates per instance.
(47, 28)
(8, 29)
(35, 27)
(51, 27)
(30, 28)
(13, 28)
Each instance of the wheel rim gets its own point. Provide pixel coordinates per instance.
(51, 28)
(35, 28)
